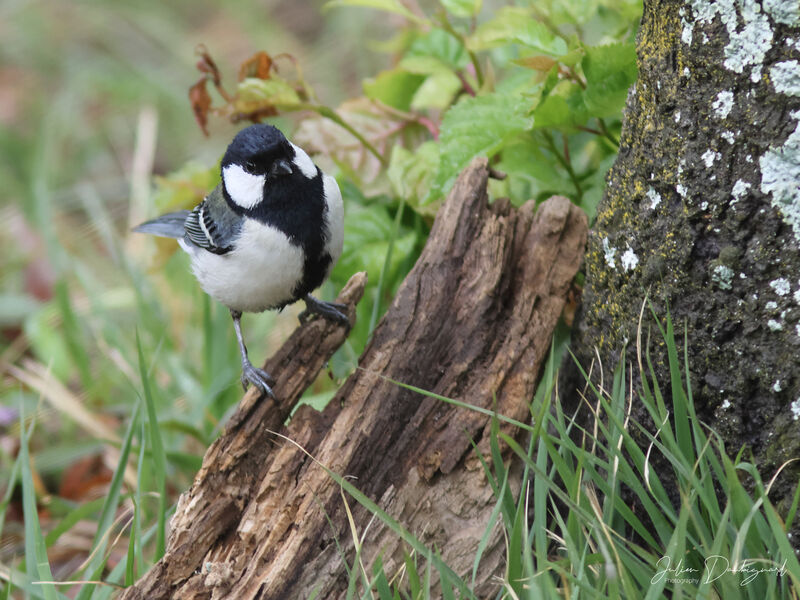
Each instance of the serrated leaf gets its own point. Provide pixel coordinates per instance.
(514, 25)
(562, 108)
(392, 6)
(610, 71)
(255, 95)
(394, 88)
(411, 174)
(462, 8)
(440, 45)
(476, 126)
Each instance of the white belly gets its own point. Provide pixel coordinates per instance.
(260, 273)
(335, 218)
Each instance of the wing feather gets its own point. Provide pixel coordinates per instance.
(213, 225)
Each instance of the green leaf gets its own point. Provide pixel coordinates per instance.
(411, 175)
(524, 162)
(563, 108)
(392, 6)
(394, 88)
(515, 25)
(440, 45)
(254, 94)
(437, 91)
(440, 84)
(462, 8)
(610, 71)
(367, 231)
(476, 126)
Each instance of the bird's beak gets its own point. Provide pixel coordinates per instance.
(281, 167)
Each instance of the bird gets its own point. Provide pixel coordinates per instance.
(265, 237)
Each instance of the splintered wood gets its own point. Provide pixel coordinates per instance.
(473, 321)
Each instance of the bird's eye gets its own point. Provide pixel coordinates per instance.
(250, 166)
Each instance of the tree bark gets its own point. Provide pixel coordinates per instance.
(701, 216)
(473, 321)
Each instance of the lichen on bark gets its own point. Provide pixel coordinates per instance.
(705, 195)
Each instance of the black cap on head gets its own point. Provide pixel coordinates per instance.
(261, 143)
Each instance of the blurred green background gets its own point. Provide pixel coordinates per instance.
(93, 101)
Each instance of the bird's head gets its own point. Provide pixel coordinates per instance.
(257, 156)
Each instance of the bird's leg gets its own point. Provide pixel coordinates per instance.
(333, 311)
(250, 374)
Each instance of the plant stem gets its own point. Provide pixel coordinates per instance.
(331, 114)
(564, 162)
(607, 133)
(472, 56)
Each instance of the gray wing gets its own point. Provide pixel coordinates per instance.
(170, 225)
(212, 225)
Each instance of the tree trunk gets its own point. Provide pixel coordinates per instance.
(472, 321)
(701, 216)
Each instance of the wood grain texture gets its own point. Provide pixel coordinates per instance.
(473, 320)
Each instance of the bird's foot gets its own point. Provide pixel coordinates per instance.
(332, 311)
(258, 377)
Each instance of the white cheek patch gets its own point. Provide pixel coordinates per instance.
(244, 188)
(303, 162)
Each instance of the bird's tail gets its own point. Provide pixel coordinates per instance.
(170, 225)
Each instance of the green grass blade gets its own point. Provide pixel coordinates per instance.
(157, 448)
(36, 562)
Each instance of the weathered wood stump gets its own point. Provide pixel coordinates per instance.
(473, 320)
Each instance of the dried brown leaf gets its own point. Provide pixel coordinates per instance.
(259, 65)
(201, 103)
(207, 65)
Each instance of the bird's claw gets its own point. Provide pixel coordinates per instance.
(332, 311)
(258, 377)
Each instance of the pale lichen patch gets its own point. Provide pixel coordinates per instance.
(783, 11)
(795, 406)
(709, 157)
(748, 44)
(739, 190)
(780, 177)
(654, 197)
(608, 253)
(723, 104)
(629, 260)
(774, 325)
(722, 275)
(785, 77)
(781, 286)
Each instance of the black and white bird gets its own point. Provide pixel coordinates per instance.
(266, 236)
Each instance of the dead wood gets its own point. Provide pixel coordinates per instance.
(473, 320)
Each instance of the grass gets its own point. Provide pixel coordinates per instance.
(572, 532)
